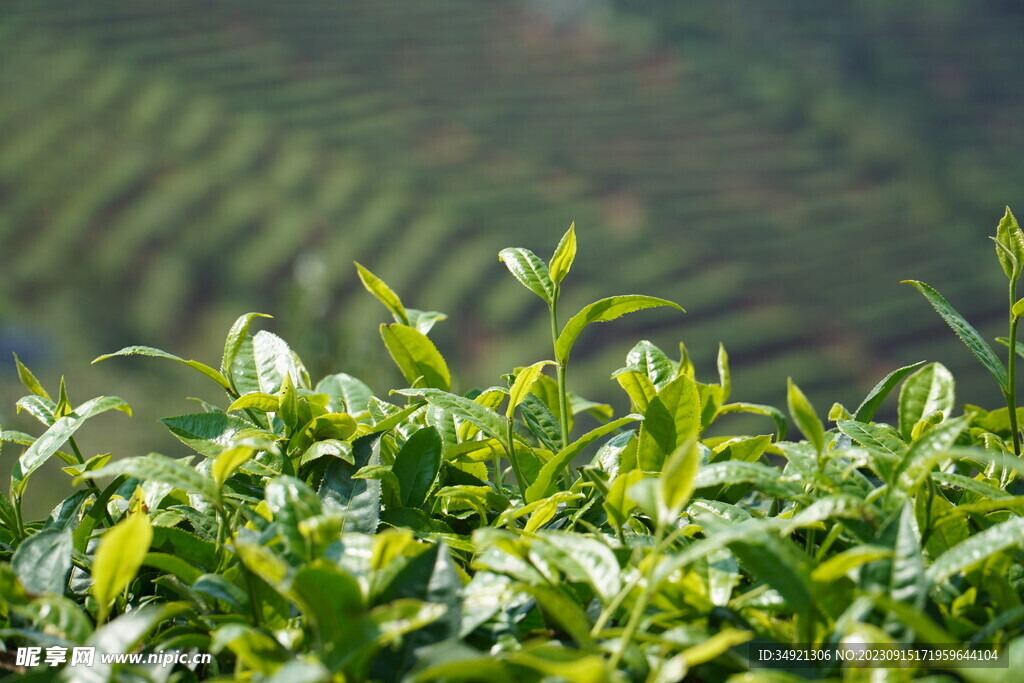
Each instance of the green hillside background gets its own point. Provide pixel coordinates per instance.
(776, 168)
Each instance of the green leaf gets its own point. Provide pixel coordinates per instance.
(157, 353)
(929, 389)
(977, 548)
(544, 485)
(806, 419)
(907, 580)
(256, 400)
(522, 385)
(724, 375)
(156, 467)
(649, 360)
(841, 564)
(777, 416)
(968, 335)
(678, 476)
(29, 380)
(292, 503)
(530, 271)
(172, 564)
(57, 435)
(565, 254)
(119, 555)
(763, 477)
(209, 433)
(602, 311)
(879, 437)
(253, 648)
(357, 500)
(466, 409)
(673, 417)
(866, 410)
(229, 461)
(233, 344)
(378, 288)
(43, 561)
(638, 386)
(274, 361)
(926, 451)
(423, 321)
(417, 464)
(348, 394)
(416, 356)
(1010, 246)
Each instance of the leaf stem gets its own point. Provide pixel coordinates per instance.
(510, 448)
(1011, 365)
(563, 399)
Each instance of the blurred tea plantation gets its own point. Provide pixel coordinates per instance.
(777, 168)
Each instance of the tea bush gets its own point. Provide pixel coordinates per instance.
(321, 532)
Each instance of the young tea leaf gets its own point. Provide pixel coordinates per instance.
(118, 558)
(522, 385)
(236, 336)
(928, 390)
(530, 271)
(968, 335)
(804, 416)
(1010, 245)
(866, 410)
(565, 254)
(374, 285)
(29, 380)
(416, 356)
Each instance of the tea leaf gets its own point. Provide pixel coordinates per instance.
(156, 467)
(929, 389)
(256, 400)
(806, 419)
(968, 335)
(543, 485)
(209, 433)
(58, 434)
(29, 380)
(482, 417)
(977, 548)
(416, 356)
(649, 360)
(1010, 245)
(638, 386)
(602, 311)
(522, 385)
(672, 418)
(157, 353)
(678, 476)
(416, 466)
(273, 360)
(377, 287)
(348, 394)
(118, 558)
(232, 345)
(777, 416)
(43, 561)
(581, 559)
(530, 271)
(866, 410)
(565, 254)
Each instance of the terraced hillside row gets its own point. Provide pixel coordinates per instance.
(167, 166)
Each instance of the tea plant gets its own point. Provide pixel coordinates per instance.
(322, 532)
